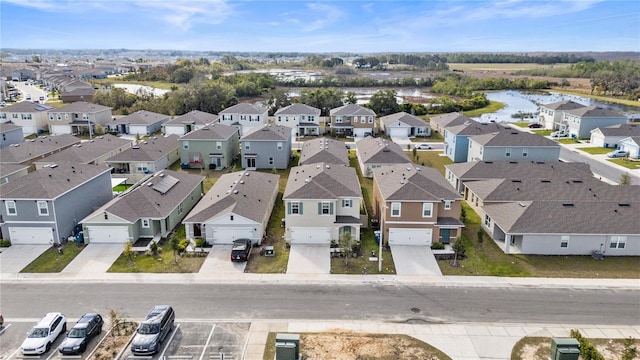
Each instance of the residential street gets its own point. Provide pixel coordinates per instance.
(609, 172)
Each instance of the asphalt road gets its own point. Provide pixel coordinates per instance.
(606, 171)
(381, 302)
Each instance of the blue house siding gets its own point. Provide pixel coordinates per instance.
(266, 154)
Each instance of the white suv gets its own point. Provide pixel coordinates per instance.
(44, 334)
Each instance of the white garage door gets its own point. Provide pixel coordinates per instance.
(60, 129)
(227, 235)
(107, 234)
(302, 235)
(399, 236)
(400, 132)
(30, 235)
(361, 132)
(174, 130)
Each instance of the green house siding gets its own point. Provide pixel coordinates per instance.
(230, 149)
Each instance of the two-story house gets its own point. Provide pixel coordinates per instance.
(512, 145)
(550, 115)
(78, 118)
(44, 206)
(376, 152)
(456, 138)
(353, 120)
(244, 116)
(141, 123)
(578, 123)
(191, 121)
(324, 150)
(304, 120)
(146, 157)
(95, 151)
(31, 117)
(214, 146)
(415, 205)
(403, 125)
(266, 147)
(10, 134)
(322, 203)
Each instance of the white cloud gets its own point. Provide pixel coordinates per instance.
(321, 15)
(184, 14)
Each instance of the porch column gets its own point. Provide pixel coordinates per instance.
(507, 243)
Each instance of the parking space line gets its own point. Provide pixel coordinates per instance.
(207, 343)
(4, 328)
(166, 345)
(14, 353)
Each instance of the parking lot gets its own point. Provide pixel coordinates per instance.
(188, 340)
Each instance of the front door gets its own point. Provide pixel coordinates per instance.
(218, 163)
(251, 162)
(445, 235)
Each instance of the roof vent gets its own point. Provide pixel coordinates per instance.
(149, 184)
(306, 180)
(241, 181)
(246, 174)
(318, 166)
(327, 166)
(548, 181)
(235, 191)
(521, 204)
(624, 204)
(161, 175)
(516, 180)
(567, 204)
(418, 169)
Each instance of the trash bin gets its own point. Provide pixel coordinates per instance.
(184, 166)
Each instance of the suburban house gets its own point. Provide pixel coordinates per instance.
(146, 157)
(322, 203)
(244, 116)
(456, 138)
(152, 208)
(460, 173)
(631, 145)
(141, 123)
(353, 120)
(77, 94)
(578, 123)
(191, 121)
(95, 151)
(610, 136)
(266, 147)
(304, 120)
(238, 206)
(415, 205)
(512, 145)
(550, 115)
(10, 172)
(44, 206)
(27, 152)
(376, 152)
(440, 122)
(78, 118)
(10, 134)
(214, 146)
(31, 117)
(403, 125)
(324, 150)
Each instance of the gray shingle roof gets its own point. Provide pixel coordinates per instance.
(7, 127)
(87, 151)
(26, 107)
(8, 169)
(404, 118)
(519, 170)
(594, 111)
(475, 128)
(36, 148)
(51, 182)
(323, 150)
(450, 119)
(151, 149)
(296, 109)
(254, 191)
(378, 151)
(322, 181)
(563, 105)
(141, 117)
(268, 132)
(80, 107)
(510, 137)
(408, 182)
(628, 129)
(195, 117)
(212, 132)
(244, 108)
(351, 109)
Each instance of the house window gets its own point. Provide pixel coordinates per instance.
(51, 117)
(185, 145)
(243, 117)
(427, 209)
(564, 241)
(279, 118)
(59, 117)
(145, 223)
(395, 209)
(525, 152)
(347, 203)
(487, 221)
(66, 116)
(286, 119)
(507, 152)
(325, 208)
(370, 119)
(179, 208)
(618, 242)
(447, 204)
(295, 208)
(247, 145)
(279, 146)
(218, 145)
(270, 161)
(85, 116)
(43, 209)
(338, 119)
(15, 116)
(363, 119)
(3, 115)
(11, 207)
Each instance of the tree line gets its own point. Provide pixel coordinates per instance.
(480, 58)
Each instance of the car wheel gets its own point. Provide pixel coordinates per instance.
(64, 327)
(48, 347)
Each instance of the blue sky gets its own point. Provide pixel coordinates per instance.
(323, 26)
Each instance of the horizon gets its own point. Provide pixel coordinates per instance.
(372, 27)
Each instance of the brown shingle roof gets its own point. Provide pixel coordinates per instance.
(563, 105)
(322, 181)
(351, 109)
(295, 109)
(212, 132)
(628, 129)
(80, 107)
(141, 117)
(407, 182)
(450, 119)
(36, 148)
(594, 111)
(244, 108)
(475, 128)
(378, 151)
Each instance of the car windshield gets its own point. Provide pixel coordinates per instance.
(77, 333)
(39, 333)
(146, 329)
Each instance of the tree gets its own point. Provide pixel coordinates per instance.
(174, 243)
(459, 250)
(350, 98)
(480, 237)
(345, 243)
(629, 352)
(384, 102)
(625, 179)
(278, 99)
(128, 252)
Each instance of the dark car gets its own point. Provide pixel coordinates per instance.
(535, 126)
(153, 330)
(89, 326)
(241, 250)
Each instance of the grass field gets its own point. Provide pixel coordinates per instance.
(601, 98)
(500, 66)
(626, 163)
(491, 108)
(120, 80)
(596, 150)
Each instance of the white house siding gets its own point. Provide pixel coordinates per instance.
(223, 230)
(540, 244)
(599, 140)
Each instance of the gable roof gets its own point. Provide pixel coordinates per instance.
(52, 181)
(594, 111)
(87, 151)
(631, 139)
(36, 148)
(450, 119)
(404, 118)
(80, 107)
(512, 137)
(324, 150)
(476, 170)
(379, 151)
(322, 181)
(141, 117)
(475, 128)
(155, 197)
(268, 132)
(297, 109)
(563, 105)
(6, 127)
(195, 117)
(245, 193)
(212, 132)
(407, 182)
(627, 129)
(26, 107)
(351, 109)
(151, 149)
(244, 108)
(8, 169)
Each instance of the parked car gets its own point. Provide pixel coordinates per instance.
(153, 330)
(44, 333)
(617, 153)
(559, 134)
(423, 147)
(241, 250)
(41, 98)
(89, 326)
(534, 126)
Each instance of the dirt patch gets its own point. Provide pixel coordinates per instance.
(535, 348)
(117, 338)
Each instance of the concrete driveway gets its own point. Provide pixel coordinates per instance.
(309, 259)
(16, 257)
(415, 260)
(219, 261)
(94, 259)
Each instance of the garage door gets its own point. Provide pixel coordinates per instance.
(398, 132)
(30, 235)
(361, 132)
(398, 236)
(60, 129)
(227, 235)
(107, 234)
(319, 236)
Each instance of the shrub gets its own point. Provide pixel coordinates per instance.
(154, 248)
(5, 243)
(587, 351)
(200, 243)
(183, 245)
(437, 246)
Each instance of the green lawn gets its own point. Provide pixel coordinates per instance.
(626, 163)
(434, 159)
(122, 187)
(601, 98)
(543, 132)
(569, 141)
(596, 150)
(51, 261)
(522, 124)
(491, 108)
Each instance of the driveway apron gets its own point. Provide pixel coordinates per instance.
(309, 259)
(94, 258)
(219, 261)
(16, 257)
(415, 260)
